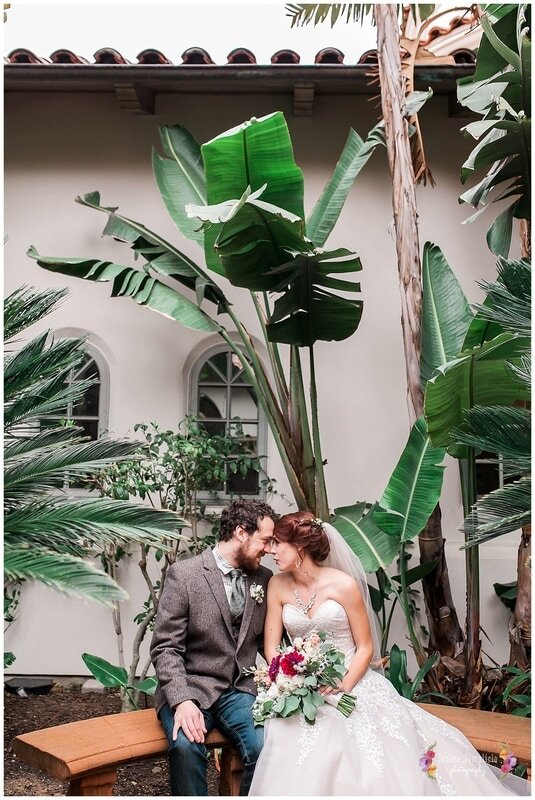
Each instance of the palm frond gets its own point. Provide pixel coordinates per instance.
(48, 468)
(26, 306)
(504, 430)
(509, 298)
(62, 524)
(303, 13)
(32, 443)
(49, 398)
(499, 512)
(36, 361)
(68, 574)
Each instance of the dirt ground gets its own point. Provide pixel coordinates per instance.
(68, 704)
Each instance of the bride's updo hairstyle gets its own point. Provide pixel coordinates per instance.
(302, 529)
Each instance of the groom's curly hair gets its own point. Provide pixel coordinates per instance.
(245, 513)
(304, 530)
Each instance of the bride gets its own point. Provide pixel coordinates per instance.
(388, 745)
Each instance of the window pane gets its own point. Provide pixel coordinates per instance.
(219, 363)
(209, 374)
(236, 369)
(239, 485)
(213, 403)
(88, 404)
(243, 403)
(487, 475)
(247, 431)
(90, 371)
(90, 427)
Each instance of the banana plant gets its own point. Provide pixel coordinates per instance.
(247, 190)
(378, 533)
(500, 93)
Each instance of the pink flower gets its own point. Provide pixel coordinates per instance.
(274, 667)
(288, 661)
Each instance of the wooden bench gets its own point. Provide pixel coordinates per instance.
(87, 753)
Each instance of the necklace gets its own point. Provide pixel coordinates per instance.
(305, 607)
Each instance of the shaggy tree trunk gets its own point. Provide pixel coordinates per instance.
(445, 632)
(520, 622)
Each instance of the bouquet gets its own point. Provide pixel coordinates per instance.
(290, 684)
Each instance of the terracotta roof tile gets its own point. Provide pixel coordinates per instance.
(151, 56)
(329, 55)
(285, 57)
(107, 55)
(241, 56)
(23, 56)
(67, 57)
(196, 55)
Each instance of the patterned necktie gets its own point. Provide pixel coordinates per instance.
(237, 596)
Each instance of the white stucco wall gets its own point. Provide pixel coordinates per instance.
(60, 146)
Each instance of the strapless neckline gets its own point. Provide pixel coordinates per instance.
(324, 602)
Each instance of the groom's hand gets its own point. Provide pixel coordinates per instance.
(190, 718)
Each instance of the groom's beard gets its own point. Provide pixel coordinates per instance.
(247, 562)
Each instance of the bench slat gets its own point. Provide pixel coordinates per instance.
(70, 750)
(488, 730)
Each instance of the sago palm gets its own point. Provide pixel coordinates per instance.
(49, 535)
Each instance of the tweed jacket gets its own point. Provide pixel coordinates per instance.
(194, 653)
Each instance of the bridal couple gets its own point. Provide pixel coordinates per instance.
(219, 609)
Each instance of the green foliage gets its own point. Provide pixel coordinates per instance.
(516, 697)
(500, 92)
(48, 536)
(446, 314)
(112, 677)
(396, 672)
(507, 593)
(9, 659)
(413, 489)
(172, 468)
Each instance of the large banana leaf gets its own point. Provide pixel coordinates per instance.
(129, 282)
(254, 237)
(499, 512)
(446, 314)
(255, 153)
(414, 487)
(354, 157)
(374, 547)
(162, 256)
(308, 310)
(180, 177)
(500, 91)
(480, 377)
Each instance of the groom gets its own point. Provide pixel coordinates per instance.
(208, 628)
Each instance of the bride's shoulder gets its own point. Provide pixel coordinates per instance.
(338, 578)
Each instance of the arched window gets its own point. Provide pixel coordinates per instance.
(225, 402)
(90, 412)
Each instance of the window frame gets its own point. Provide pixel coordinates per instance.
(192, 404)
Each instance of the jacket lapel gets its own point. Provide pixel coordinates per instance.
(214, 578)
(247, 611)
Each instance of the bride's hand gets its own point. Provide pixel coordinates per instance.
(340, 687)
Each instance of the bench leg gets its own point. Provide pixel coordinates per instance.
(94, 785)
(231, 772)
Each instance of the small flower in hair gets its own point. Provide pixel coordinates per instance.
(317, 522)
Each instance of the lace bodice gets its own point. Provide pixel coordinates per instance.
(330, 616)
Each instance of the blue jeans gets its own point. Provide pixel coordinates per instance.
(231, 714)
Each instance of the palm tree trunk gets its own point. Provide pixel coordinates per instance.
(520, 623)
(445, 632)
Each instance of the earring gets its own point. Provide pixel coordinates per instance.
(298, 562)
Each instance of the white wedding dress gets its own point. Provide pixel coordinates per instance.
(374, 751)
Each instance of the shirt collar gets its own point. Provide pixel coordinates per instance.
(222, 562)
